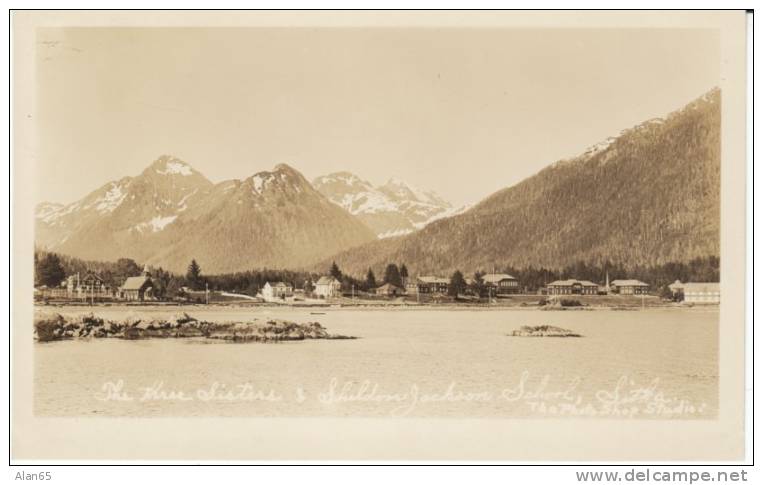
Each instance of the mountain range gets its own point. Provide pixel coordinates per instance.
(170, 214)
(648, 196)
(392, 209)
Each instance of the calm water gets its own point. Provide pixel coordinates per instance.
(659, 363)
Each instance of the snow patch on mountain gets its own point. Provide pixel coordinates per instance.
(111, 200)
(46, 211)
(156, 224)
(452, 211)
(259, 182)
(176, 168)
(366, 203)
(183, 203)
(394, 233)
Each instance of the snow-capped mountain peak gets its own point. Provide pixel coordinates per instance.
(170, 169)
(283, 178)
(170, 165)
(148, 202)
(390, 210)
(171, 213)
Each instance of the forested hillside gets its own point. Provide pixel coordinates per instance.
(647, 197)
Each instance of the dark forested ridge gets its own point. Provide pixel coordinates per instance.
(648, 197)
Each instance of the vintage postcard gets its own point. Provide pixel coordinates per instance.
(379, 235)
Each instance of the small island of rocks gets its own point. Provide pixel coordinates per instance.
(53, 326)
(543, 331)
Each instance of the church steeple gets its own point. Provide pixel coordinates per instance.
(146, 271)
(607, 283)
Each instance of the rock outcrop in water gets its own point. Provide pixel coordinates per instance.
(543, 331)
(53, 326)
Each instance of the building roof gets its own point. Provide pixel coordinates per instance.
(327, 280)
(90, 275)
(432, 279)
(495, 278)
(701, 288)
(277, 284)
(628, 283)
(388, 286)
(571, 282)
(135, 282)
(676, 285)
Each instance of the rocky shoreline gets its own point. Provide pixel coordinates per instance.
(54, 326)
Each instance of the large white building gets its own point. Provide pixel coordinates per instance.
(629, 287)
(427, 284)
(500, 284)
(277, 290)
(328, 287)
(698, 292)
(572, 287)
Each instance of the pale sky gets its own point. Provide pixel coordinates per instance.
(464, 112)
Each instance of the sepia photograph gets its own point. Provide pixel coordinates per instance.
(388, 218)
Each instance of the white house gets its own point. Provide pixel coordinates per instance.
(277, 290)
(138, 287)
(328, 287)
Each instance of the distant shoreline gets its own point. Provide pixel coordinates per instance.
(373, 307)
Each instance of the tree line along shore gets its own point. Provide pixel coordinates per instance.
(56, 274)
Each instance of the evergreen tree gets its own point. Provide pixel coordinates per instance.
(335, 272)
(392, 275)
(49, 271)
(403, 271)
(126, 267)
(193, 275)
(162, 282)
(309, 287)
(478, 286)
(457, 284)
(173, 287)
(370, 279)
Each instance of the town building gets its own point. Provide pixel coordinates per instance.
(629, 287)
(702, 292)
(89, 286)
(388, 289)
(138, 288)
(676, 288)
(428, 284)
(500, 284)
(277, 289)
(328, 287)
(572, 287)
(44, 292)
(697, 292)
